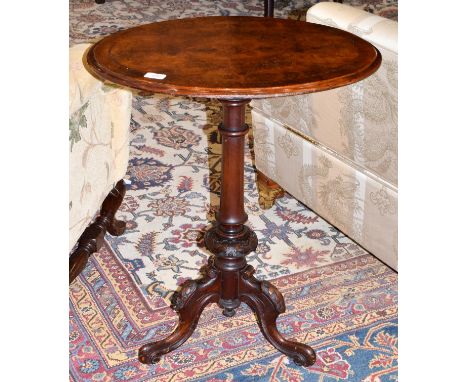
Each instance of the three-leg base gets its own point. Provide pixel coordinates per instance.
(228, 280)
(261, 296)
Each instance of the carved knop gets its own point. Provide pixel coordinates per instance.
(226, 247)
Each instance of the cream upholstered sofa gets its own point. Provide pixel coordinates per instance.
(336, 151)
(99, 121)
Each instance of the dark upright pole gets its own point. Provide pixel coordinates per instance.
(269, 6)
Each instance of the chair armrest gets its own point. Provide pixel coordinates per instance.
(81, 84)
(99, 124)
(377, 30)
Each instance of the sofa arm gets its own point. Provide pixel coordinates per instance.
(99, 124)
(377, 30)
(81, 83)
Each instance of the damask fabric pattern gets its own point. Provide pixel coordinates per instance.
(336, 151)
(357, 121)
(339, 299)
(357, 204)
(98, 137)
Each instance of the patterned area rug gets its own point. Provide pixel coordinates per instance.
(89, 20)
(340, 300)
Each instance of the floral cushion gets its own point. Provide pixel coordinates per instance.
(99, 123)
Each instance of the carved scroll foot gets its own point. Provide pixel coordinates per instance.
(268, 191)
(189, 302)
(93, 236)
(267, 303)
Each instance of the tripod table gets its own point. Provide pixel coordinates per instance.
(233, 59)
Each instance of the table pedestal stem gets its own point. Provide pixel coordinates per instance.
(227, 279)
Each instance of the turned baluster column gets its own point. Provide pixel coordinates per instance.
(231, 216)
(230, 240)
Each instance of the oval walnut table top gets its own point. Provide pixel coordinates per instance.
(233, 57)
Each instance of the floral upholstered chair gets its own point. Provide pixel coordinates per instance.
(99, 121)
(336, 151)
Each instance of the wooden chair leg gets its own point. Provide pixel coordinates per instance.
(93, 236)
(268, 191)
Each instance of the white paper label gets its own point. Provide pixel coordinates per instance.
(156, 76)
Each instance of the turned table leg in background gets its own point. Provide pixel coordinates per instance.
(228, 280)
